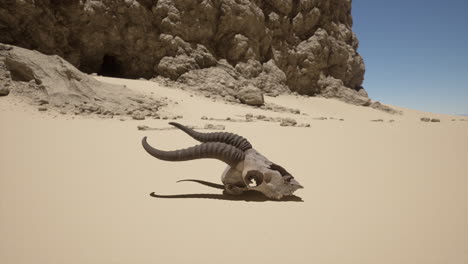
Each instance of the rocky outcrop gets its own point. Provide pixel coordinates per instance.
(334, 88)
(274, 45)
(50, 81)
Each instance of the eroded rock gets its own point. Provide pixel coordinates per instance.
(52, 81)
(334, 88)
(276, 46)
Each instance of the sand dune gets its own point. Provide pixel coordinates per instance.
(77, 189)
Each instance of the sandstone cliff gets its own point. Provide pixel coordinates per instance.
(304, 46)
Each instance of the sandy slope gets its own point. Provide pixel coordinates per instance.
(77, 191)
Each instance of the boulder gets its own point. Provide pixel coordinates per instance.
(4, 91)
(250, 95)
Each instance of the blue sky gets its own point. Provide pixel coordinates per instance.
(416, 52)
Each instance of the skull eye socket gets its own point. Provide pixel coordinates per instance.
(253, 178)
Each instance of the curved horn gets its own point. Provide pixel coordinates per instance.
(209, 184)
(210, 150)
(224, 137)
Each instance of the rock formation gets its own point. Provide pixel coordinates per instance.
(306, 46)
(52, 81)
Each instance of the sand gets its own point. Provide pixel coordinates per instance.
(77, 189)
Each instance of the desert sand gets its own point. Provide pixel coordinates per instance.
(77, 189)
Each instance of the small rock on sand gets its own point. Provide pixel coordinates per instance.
(138, 115)
(288, 122)
(214, 127)
(204, 118)
(428, 119)
(42, 102)
(377, 120)
(42, 108)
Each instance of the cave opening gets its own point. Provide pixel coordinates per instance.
(110, 66)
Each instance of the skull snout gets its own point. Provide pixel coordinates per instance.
(296, 184)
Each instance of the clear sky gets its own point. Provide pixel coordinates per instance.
(416, 52)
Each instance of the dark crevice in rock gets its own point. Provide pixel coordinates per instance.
(294, 10)
(110, 66)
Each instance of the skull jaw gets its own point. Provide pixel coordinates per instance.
(236, 190)
(232, 176)
(274, 192)
(268, 191)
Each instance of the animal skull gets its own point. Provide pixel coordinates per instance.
(247, 169)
